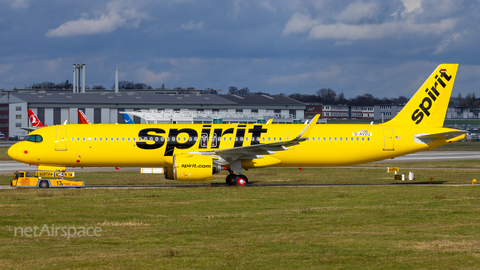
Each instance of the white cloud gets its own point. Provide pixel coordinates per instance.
(191, 26)
(118, 15)
(412, 5)
(299, 23)
(266, 5)
(445, 44)
(340, 31)
(409, 7)
(150, 77)
(18, 3)
(358, 11)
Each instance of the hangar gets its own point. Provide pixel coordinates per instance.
(103, 107)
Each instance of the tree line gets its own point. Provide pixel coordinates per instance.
(321, 96)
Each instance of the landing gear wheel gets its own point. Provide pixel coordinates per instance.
(241, 180)
(43, 184)
(231, 179)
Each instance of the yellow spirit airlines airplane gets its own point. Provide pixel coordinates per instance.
(197, 151)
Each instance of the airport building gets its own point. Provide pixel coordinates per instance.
(103, 107)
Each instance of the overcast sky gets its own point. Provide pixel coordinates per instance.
(385, 48)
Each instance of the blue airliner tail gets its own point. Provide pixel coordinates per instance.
(127, 119)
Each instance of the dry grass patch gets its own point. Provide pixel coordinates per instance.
(123, 223)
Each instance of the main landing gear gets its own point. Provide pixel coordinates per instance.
(233, 179)
(237, 180)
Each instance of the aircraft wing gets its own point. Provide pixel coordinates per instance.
(258, 150)
(29, 129)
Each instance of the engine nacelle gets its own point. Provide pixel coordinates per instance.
(194, 167)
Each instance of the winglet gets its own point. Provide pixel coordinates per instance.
(308, 129)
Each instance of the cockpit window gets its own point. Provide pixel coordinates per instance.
(34, 138)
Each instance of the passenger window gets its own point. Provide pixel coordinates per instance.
(363, 138)
(368, 139)
(106, 139)
(313, 138)
(340, 138)
(100, 139)
(346, 138)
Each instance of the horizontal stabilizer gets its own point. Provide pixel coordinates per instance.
(426, 138)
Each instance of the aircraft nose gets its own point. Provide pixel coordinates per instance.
(14, 152)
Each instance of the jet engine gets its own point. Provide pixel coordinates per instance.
(192, 167)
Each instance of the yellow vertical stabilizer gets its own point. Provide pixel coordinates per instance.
(428, 106)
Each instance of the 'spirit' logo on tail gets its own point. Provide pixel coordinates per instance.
(432, 95)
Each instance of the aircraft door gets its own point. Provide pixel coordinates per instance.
(388, 140)
(61, 140)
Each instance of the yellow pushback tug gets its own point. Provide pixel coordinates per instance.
(22, 179)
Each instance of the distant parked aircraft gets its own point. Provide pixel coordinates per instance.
(83, 117)
(126, 118)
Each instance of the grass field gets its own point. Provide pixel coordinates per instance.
(292, 176)
(389, 227)
(218, 227)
